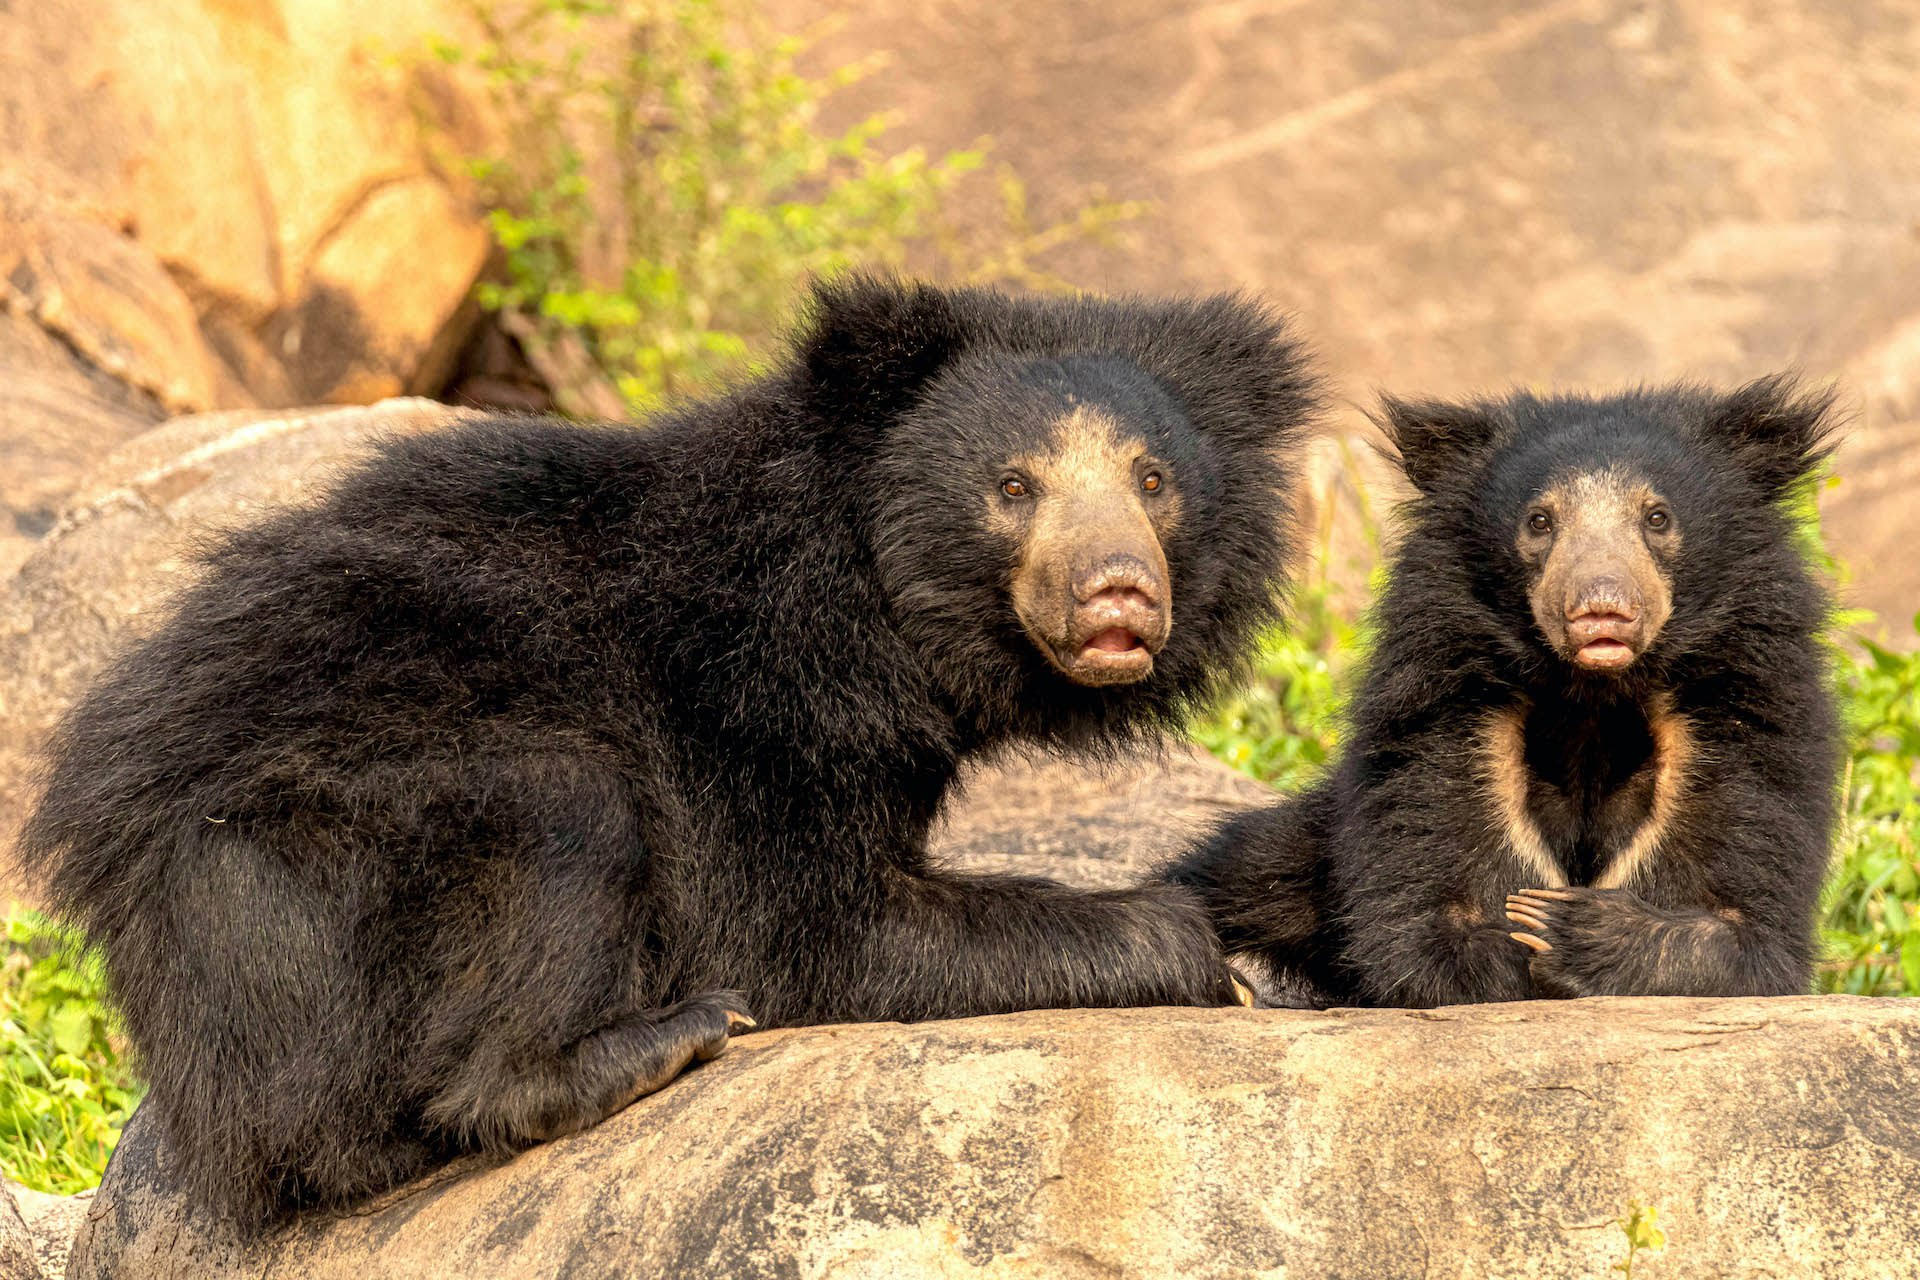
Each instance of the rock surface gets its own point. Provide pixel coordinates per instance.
(1099, 825)
(37, 1231)
(94, 339)
(1464, 196)
(1774, 1137)
(211, 204)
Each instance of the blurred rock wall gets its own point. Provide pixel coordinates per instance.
(1462, 195)
(210, 204)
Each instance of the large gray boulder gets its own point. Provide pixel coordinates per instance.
(1775, 1138)
(37, 1231)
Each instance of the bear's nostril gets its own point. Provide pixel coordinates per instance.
(1601, 598)
(1122, 577)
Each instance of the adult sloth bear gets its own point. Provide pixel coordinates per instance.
(1597, 711)
(465, 807)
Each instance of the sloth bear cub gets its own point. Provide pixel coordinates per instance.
(468, 805)
(1593, 752)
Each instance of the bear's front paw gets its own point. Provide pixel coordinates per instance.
(1575, 936)
(1236, 988)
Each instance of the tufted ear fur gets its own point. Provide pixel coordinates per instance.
(867, 347)
(1777, 433)
(1436, 440)
(1246, 379)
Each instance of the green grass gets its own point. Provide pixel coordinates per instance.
(65, 1090)
(1870, 914)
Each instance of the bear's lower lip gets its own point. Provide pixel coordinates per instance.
(1112, 640)
(1113, 656)
(1604, 655)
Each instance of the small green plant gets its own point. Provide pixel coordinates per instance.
(1283, 726)
(64, 1091)
(1642, 1227)
(1871, 908)
(666, 186)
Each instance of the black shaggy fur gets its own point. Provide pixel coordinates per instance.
(1387, 882)
(457, 810)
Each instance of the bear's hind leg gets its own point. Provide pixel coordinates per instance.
(506, 1101)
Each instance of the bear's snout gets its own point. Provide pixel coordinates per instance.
(1119, 576)
(1116, 620)
(1108, 611)
(1605, 595)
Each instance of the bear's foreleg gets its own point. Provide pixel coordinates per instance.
(1611, 942)
(1262, 877)
(954, 946)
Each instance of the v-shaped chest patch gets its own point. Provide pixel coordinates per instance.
(1606, 835)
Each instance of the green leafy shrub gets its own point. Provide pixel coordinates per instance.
(1871, 910)
(64, 1091)
(665, 187)
(1285, 724)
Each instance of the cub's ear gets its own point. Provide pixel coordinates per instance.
(868, 344)
(1436, 440)
(1776, 432)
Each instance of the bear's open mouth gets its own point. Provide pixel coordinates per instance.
(1604, 655)
(1112, 655)
(1113, 640)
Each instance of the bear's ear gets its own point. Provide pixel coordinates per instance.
(868, 345)
(1774, 431)
(1436, 440)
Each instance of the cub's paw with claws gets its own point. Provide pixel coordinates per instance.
(1578, 936)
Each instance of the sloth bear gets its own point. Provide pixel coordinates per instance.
(468, 805)
(1597, 711)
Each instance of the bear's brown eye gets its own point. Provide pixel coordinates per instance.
(1658, 519)
(1151, 482)
(1540, 522)
(1013, 487)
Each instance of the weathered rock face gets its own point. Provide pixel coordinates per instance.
(259, 150)
(1775, 1138)
(125, 542)
(93, 336)
(1464, 196)
(211, 204)
(37, 1231)
(1098, 825)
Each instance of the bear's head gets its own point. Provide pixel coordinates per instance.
(1078, 509)
(1602, 525)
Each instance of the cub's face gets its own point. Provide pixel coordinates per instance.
(1599, 544)
(1599, 525)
